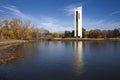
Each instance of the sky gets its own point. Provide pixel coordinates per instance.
(57, 15)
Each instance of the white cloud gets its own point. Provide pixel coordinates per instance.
(70, 8)
(115, 12)
(44, 22)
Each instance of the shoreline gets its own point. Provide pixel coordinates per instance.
(9, 43)
(83, 39)
(4, 44)
(7, 49)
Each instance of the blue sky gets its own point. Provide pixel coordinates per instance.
(57, 15)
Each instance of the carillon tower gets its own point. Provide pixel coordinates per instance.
(78, 22)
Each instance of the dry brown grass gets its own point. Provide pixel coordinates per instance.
(7, 58)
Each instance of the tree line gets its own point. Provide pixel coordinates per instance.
(104, 33)
(18, 29)
(96, 33)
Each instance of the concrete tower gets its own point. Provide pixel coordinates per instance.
(78, 22)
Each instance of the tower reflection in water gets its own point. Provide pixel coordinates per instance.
(78, 57)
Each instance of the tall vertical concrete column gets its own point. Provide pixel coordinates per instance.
(78, 22)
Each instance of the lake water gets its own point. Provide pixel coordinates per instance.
(64, 60)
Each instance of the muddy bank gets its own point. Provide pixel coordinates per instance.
(7, 49)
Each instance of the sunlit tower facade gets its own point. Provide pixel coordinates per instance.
(78, 22)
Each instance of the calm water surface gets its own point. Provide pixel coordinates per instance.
(56, 60)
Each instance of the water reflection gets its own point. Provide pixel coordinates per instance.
(60, 60)
(78, 55)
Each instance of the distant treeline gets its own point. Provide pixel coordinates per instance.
(97, 33)
(19, 29)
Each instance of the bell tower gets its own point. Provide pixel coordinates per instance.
(78, 22)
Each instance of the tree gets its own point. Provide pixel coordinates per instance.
(55, 34)
(116, 33)
(1, 25)
(84, 33)
(18, 29)
(11, 34)
(109, 33)
(104, 34)
(61, 35)
(6, 23)
(72, 33)
(95, 33)
(35, 32)
(67, 34)
(4, 32)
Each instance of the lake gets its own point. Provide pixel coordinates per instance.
(64, 60)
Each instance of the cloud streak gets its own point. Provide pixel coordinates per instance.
(115, 12)
(1, 11)
(70, 8)
(13, 10)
